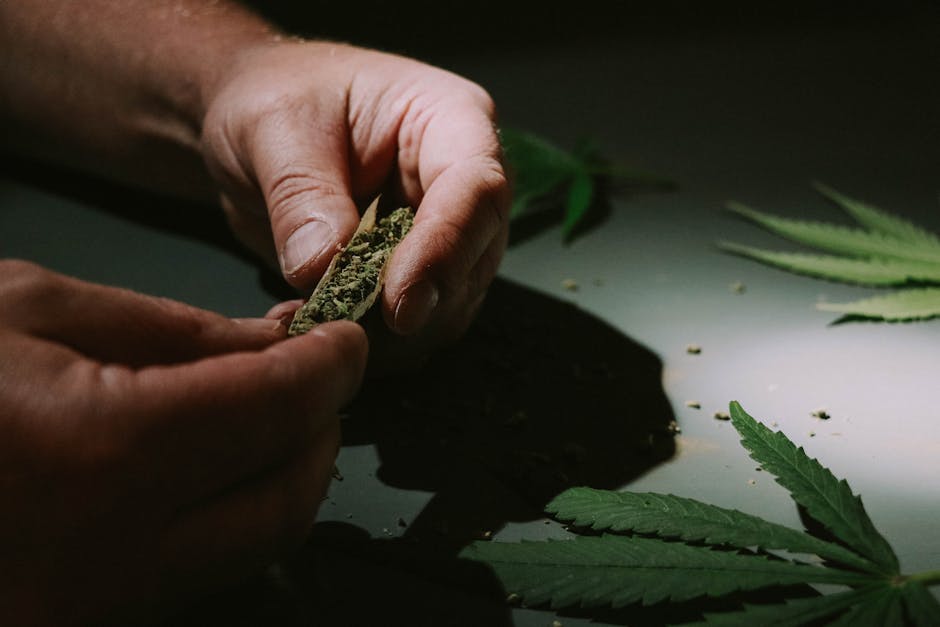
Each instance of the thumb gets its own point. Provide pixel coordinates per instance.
(302, 169)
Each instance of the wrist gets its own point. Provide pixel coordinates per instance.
(201, 55)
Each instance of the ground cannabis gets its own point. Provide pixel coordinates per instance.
(354, 278)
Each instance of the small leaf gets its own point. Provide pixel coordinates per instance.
(840, 239)
(799, 612)
(827, 499)
(538, 167)
(533, 154)
(882, 608)
(875, 219)
(619, 570)
(876, 272)
(920, 605)
(579, 199)
(691, 521)
(911, 304)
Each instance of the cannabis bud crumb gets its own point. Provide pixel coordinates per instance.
(721, 415)
(693, 404)
(356, 274)
(693, 349)
(336, 474)
(822, 414)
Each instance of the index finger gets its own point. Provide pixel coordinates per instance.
(203, 426)
(463, 211)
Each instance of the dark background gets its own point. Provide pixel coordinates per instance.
(427, 28)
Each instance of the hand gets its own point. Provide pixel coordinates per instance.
(297, 134)
(148, 448)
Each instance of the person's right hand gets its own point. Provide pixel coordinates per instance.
(149, 449)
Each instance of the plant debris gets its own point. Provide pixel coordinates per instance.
(693, 349)
(355, 276)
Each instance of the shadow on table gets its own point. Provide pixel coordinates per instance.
(538, 397)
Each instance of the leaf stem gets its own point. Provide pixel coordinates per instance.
(927, 578)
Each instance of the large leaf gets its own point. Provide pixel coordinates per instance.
(920, 606)
(827, 499)
(619, 570)
(875, 219)
(799, 612)
(691, 521)
(910, 304)
(875, 272)
(840, 239)
(882, 608)
(891, 252)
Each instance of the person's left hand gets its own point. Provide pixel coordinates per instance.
(297, 134)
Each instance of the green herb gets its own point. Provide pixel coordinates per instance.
(887, 251)
(543, 173)
(689, 549)
(355, 276)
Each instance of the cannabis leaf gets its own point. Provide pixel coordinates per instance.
(542, 173)
(618, 570)
(887, 252)
(689, 520)
(689, 549)
(828, 500)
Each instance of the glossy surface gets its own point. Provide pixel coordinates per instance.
(748, 116)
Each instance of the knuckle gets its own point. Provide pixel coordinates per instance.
(286, 191)
(28, 287)
(454, 256)
(183, 320)
(494, 185)
(480, 97)
(91, 441)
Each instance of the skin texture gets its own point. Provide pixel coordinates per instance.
(170, 449)
(148, 449)
(204, 99)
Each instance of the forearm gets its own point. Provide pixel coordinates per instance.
(119, 87)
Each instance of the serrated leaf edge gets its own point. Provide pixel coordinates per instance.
(740, 419)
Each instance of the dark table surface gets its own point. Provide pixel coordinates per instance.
(746, 110)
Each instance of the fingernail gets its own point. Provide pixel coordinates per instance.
(415, 307)
(307, 243)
